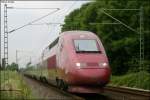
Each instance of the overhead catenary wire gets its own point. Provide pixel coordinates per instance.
(59, 23)
(33, 21)
(29, 8)
(71, 6)
(46, 23)
(119, 21)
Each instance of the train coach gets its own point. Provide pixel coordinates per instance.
(77, 62)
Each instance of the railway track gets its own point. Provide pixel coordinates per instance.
(48, 92)
(82, 96)
(110, 93)
(126, 93)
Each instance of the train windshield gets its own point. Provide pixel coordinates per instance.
(86, 46)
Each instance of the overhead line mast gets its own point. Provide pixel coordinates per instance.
(0, 38)
(34, 20)
(5, 37)
(5, 59)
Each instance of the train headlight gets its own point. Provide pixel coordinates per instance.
(81, 65)
(103, 65)
(78, 64)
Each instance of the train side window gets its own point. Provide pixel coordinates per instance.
(61, 45)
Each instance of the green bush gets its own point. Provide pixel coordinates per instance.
(135, 80)
(12, 80)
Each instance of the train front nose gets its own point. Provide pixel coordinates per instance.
(90, 75)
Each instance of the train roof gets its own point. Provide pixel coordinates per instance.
(77, 32)
(71, 33)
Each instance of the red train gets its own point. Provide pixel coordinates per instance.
(79, 62)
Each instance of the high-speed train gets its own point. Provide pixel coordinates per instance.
(77, 61)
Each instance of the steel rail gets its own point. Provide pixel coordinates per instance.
(127, 93)
(111, 92)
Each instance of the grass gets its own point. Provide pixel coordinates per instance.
(136, 80)
(14, 86)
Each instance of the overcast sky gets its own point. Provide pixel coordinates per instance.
(32, 39)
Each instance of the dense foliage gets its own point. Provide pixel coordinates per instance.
(12, 67)
(130, 80)
(121, 43)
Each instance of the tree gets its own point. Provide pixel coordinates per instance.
(29, 66)
(13, 66)
(121, 44)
